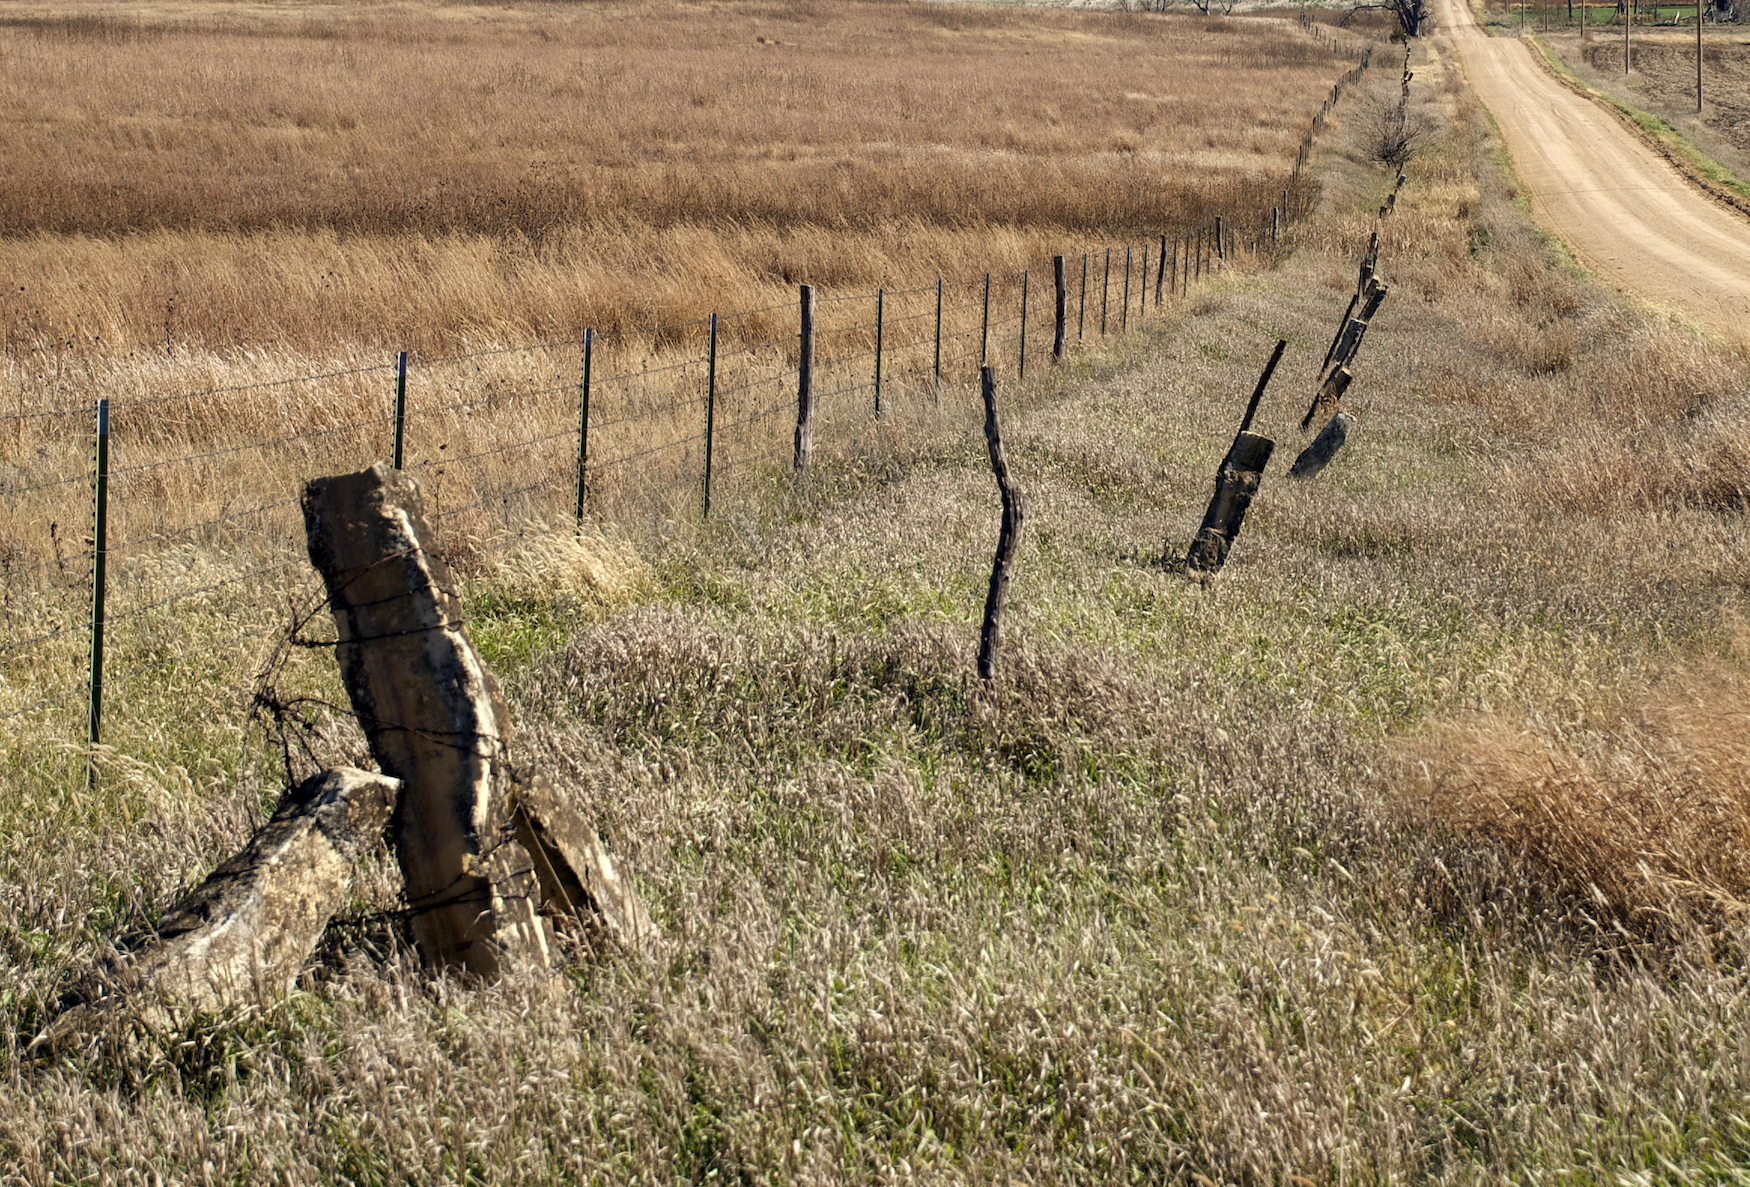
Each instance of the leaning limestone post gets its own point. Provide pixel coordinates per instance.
(1318, 455)
(1236, 484)
(579, 881)
(246, 932)
(434, 718)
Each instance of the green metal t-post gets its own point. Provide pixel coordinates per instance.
(880, 305)
(583, 424)
(937, 386)
(400, 402)
(710, 414)
(99, 559)
(984, 334)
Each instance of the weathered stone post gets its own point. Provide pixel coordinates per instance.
(434, 718)
(244, 934)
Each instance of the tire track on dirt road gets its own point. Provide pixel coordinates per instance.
(1624, 212)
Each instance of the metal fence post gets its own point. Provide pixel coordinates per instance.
(1021, 366)
(583, 424)
(1105, 292)
(984, 333)
(1082, 311)
(936, 386)
(400, 402)
(710, 414)
(804, 454)
(99, 559)
(880, 306)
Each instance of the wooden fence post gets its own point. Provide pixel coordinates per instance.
(1160, 275)
(1014, 510)
(1021, 363)
(1105, 292)
(804, 456)
(1062, 306)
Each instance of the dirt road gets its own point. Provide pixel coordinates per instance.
(1623, 210)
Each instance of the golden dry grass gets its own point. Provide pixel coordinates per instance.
(417, 176)
(1643, 821)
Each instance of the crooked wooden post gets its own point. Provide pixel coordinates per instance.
(1062, 307)
(433, 716)
(1008, 539)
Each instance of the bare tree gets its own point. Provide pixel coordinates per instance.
(1415, 17)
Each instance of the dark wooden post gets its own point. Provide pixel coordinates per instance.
(805, 385)
(1160, 275)
(1014, 509)
(1105, 292)
(1062, 306)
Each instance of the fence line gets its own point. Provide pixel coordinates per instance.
(642, 442)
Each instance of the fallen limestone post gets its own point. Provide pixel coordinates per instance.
(434, 718)
(1318, 455)
(1008, 539)
(579, 881)
(246, 932)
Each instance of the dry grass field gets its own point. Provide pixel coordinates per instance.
(1407, 850)
(312, 178)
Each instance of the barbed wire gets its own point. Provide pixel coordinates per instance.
(12, 491)
(987, 301)
(116, 406)
(54, 699)
(488, 352)
(55, 634)
(184, 595)
(468, 457)
(124, 545)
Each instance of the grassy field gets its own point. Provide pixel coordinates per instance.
(1409, 849)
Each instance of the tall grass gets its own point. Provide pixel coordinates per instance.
(414, 177)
